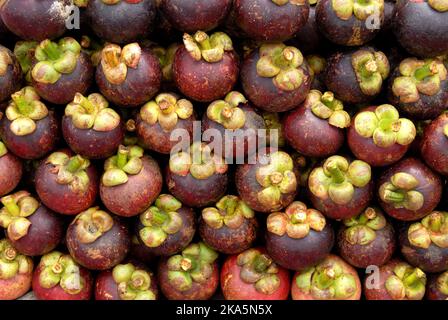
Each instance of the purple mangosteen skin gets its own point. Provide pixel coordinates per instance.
(432, 291)
(264, 94)
(11, 81)
(299, 254)
(309, 39)
(11, 169)
(434, 147)
(35, 145)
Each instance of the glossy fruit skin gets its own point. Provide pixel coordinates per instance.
(240, 147)
(234, 288)
(203, 81)
(299, 254)
(434, 147)
(57, 293)
(430, 187)
(366, 150)
(227, 240)
(35, 145)
(263, 20)
(90, 143)
(309, 39)
(191, 16)
(105, 252)
(377, 253)
(11, 81)
(420, 29)
(63, 91)
(197, 193)
(153, 137)
(351, 32)
(433, 259)
(136, 195)
(310, 135)
(140, 86)
(60, 198)
(432, 292)
(11, 169)
(196, 292)
(15, 287)
(111, 22)
(45, 233)
(264, 94)
(174, 243)
(141, 252)
(35, 19)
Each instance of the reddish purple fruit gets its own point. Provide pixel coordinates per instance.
(409, 190)
(437, 288)
(131, 182)
(275, 77)
(66, 183)
(434, 146)
(10, 74)
(97, 240)
(298, 238)
(367, 239)
(309, 38)
(128, 76)
(11, 170)
(29, 129)
(31, 228)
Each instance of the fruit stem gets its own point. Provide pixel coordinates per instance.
(51, 49)
(203, 39)
(122, 157)
(11, 206)
(24, 107)
(427, 70)
(10, 253)
(414, 278)
(186, 264)
(325, 278)
(369, 214)
(393, 196)
(74, 164)
(298, 217)
(328, 100)
(86, 104)
(336, 173)
(261, 262)
(368, 69)
(112, 58)
(283, 58)
(158, 217)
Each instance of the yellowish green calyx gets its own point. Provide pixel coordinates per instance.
(24, 110)
(317, 63)
(260, 270)
(166, 58)
(361, 9)
(371, 69)
(385, 127)
(166, 110)
(296, 222)
(277, 179)
(326, 106)
(92, 224)
(418, 77)
(198, 160)
(433, 229)
(115, 61)
(230, 211)
(284, 64)
(439, 5)
(133, 283)
(193, 265)
(361, 230)
(406, 283)
(401, 191)
(210, 48)
(24, 52)
(3, 149)
(293, 2)
(5, 61)
(12, 263)
(55, 59)
(160, 221)
(227, 112)
(92, 112)
(442, 283)
(117, 169)
(70, 171)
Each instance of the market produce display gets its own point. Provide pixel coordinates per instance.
(224, 149)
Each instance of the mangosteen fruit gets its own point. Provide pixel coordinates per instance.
(10, 74)
(11, 169)
(434, 146)
(437, 288)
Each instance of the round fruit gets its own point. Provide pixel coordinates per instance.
(434, 147)
(11, 169)
(10, 73)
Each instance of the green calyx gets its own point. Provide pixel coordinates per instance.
(230, 211)
(133, 283)
(55, 59)
(433, 229)
(166, 58)
(24, 110)
(227, 113)
(284, 64)
(11, 262)
(327, 281)
(361, 9)
(115, 61)
(260, 270)
(24, 52)
(296, 222)
(418, 77)
(5, 61)
(128, 161)
(13, 216)
(199, 161)
(371, 69)
(60, 269)
(70, 171)
(277, 179)
(406, 283)
(401, 192)
(317, 63)
(274, 132)
(3, 149)
(361, 230)
(439, 5)
(338, 178)
(210, 48)
(193, 265)
(327, 107)
(166, 109)
(92, 112)
(92, 224)
(385, 127)
(442, 283)
(92, 48)
(160, 221)
(293, 2)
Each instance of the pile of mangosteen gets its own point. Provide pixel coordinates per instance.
(328, 160)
